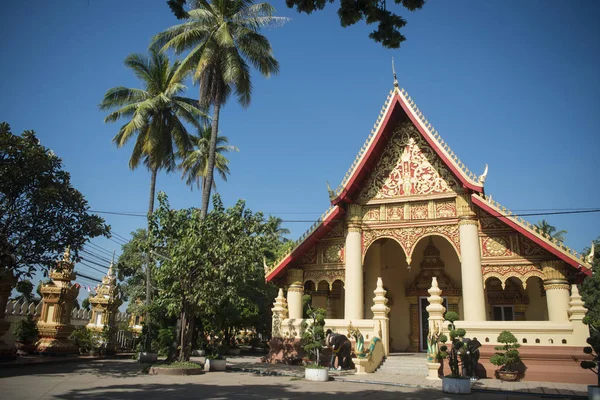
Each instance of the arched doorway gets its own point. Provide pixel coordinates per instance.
(433, 256)
(385, 258)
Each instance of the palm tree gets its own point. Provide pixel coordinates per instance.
(195, 163)
(550, 230)
(224, 38)
(278, 231)
(155, 115)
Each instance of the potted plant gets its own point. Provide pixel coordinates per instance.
(507, 357)
(594, 365)
(25, 332)
(214, 360)
(312, 342)
(454, 383)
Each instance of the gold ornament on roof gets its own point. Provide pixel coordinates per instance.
(67, 254)
(590, 257)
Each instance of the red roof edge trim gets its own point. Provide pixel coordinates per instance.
(299, 251)
(417, 123)
(528, 234)
(345, 193)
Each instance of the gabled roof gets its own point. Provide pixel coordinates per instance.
(398, 106)
(531, 232)
(318, 230)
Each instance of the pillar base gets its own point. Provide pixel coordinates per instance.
(433, 371)
(56, 347)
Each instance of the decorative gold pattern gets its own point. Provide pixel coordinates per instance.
(489, 222)
(408, 237)
(498, 246)
(445, 209)
(310, 257)
(419, 210)
(556, 286)
(395, 213)
(371, 214)
(522, 272)
(333, 253)
(336, 232)
(408, 167)
(327, 275)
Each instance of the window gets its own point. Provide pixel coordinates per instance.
(503, 313)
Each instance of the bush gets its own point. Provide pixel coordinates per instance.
(592, 349)
(313, 337)
(25, 330)
(507, 356)
(457, 350)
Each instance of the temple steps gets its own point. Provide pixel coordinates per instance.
(404, 364)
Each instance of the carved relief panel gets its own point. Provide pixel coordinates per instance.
(408, 167)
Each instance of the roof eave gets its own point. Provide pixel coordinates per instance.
(508, 220)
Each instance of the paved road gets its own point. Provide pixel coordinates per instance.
(119, 379)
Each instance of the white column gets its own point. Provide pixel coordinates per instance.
(472, 277)
(295, 293)
(557, 290)
(354, 307)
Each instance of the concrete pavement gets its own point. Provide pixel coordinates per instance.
(123, 379)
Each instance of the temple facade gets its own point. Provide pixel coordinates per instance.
(409, 210)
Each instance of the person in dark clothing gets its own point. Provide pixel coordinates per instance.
(340, 348)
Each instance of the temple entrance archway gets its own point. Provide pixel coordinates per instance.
(385, 258)
(433, 256)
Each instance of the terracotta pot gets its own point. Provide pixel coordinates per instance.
(509, 376)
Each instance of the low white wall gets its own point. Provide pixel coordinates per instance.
(16, 311)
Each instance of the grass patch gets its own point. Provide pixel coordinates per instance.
(179, 365)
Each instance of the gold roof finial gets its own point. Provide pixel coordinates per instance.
(590, 257)
(394, 72)
(67, 254)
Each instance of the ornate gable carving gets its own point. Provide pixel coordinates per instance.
(408, 167)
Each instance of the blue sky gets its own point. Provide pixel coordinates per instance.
(509, 83)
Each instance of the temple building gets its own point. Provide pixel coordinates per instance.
(409, 210)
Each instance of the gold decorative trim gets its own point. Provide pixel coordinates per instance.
(507, 214)
(556, 286)
(464, 221)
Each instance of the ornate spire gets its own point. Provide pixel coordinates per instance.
(67, 254)
(394, 72)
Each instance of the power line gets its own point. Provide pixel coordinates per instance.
(120, 237)
(100, 248)
(560, 212)
(95, 263)
(96, 256)
(89, 278)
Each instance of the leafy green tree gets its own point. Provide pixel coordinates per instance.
(130, 270)
(156, 114)
(550, 231)
(223, 38)
(195, 163)
(85, 303)
(350, 12)
(590, 291)
(41, 213)
(25, 290)
(211, 267)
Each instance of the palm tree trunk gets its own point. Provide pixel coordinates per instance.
(154, 172)
(212, 149)
(150, 211)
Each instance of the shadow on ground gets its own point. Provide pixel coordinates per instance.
(106, 368)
